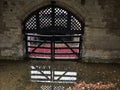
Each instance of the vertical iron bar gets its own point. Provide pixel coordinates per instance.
(80, 47)
(37, 21)
(26, 45)
(69, 21)
(53, 28)
(52, 48)
(53, 16)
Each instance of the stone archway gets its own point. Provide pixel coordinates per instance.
(53, 32)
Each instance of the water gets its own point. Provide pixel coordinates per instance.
(56, 75)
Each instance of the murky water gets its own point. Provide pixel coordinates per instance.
(55, 75)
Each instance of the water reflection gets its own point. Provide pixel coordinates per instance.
(52, 74)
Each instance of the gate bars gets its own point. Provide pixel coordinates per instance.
(52, 33)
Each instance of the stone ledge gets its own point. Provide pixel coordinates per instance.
(11, 58)
(84, 60)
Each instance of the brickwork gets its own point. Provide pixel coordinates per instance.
(101, 18)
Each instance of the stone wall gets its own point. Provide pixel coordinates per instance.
(101, 18)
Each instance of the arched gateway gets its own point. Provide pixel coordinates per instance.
(53, 33)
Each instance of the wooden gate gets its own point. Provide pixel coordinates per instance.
(53, 33)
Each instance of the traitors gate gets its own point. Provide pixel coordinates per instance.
(53, 33)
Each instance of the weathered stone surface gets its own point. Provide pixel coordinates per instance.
(7, 52)
(101, 18)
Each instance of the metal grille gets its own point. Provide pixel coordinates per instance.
(53, 33)
(48, 87)
(60, 18)
(45, 19)
(50, 75)
(75, 24)
(53, 76)
(31, 23)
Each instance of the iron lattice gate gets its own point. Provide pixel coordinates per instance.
(53, 33)
(53, 76)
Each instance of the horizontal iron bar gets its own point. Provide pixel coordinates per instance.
(47, 35)
(40, 79)
(55, 47)
(40, 69)
(39, 47)
(53, 75)
(46, 53)
(54, 31)
(65, 53)
(67, 42)
(56, 69)
(66, 75)
(59, 59)
(40, 74)
(49, 41)
(66, 47)
(65, 80)
(39, 41)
